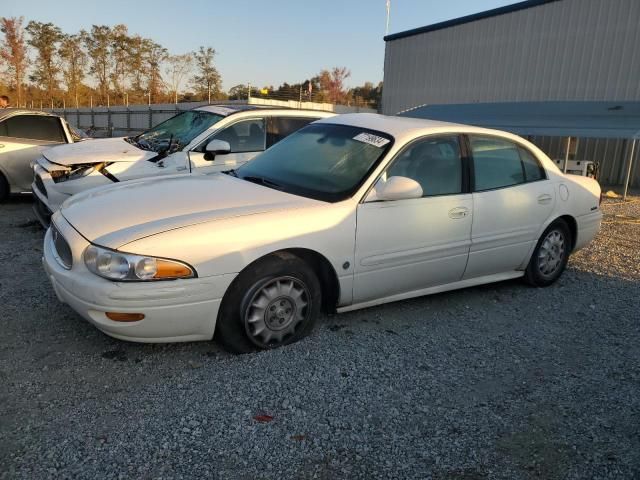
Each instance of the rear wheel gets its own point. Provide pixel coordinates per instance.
(273, 302)
(550, 256)
(4, 188)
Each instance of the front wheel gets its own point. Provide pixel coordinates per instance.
(273, 302)
(550, 256)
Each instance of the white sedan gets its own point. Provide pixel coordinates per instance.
(349, 212)
(203, 140)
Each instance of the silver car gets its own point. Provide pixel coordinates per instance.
(23, 136)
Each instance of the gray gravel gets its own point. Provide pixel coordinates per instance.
(502, 381)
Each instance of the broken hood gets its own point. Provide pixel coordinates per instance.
(97, 151)
(115, 215)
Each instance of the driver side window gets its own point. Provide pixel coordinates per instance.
(244, 136)
(434, 162)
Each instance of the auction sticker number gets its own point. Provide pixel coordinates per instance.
(371, 139)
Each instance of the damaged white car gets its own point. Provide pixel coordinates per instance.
(205, 140)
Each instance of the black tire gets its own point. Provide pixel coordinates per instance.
(285, 319)
(4, 188)
(550, 256)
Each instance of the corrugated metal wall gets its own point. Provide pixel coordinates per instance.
(565, 50)
(611, 155)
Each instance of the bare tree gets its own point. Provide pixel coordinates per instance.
(177, 68)
(74, 63)
(208, 80)
(14, 52)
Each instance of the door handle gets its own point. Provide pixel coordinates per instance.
(1, 145)
(544, 198)
(458, 212)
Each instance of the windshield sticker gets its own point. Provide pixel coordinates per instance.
(374, 140)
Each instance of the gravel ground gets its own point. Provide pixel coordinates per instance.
(501, 381)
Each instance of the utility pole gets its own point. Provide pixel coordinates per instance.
(300, 101)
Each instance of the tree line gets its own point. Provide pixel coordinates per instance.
(108, 65)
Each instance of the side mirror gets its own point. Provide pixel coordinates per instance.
(216, 147)
(395, 188)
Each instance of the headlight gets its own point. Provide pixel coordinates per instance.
(128, 267)
(65, 175)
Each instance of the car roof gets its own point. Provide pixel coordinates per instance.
(231, 109)
(12, 112)
(402, 127)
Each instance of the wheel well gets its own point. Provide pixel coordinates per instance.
(573, 228)
(326, 274)
(5, 188)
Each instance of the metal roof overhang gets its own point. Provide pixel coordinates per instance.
(610, 119)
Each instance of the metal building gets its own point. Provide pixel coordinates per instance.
(532, 51)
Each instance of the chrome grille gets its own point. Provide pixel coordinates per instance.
(60, 245)
(40, 185)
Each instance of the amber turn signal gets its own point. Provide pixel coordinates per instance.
(167, 269)
(124, 317)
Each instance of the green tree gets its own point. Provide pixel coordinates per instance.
(97, 43)
(13, 51)
(119, 51)
(137, 67)
(74, 63)
(44, 38)
(207, 82)
(239, 92)
(155, 55)
(366, 95)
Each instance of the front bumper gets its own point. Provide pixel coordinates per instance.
(44, 189)
(40, 209)
(175, 311)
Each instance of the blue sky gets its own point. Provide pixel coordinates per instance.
(262, 42)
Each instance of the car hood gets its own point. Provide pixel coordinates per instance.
(115, 215)
(97, 151)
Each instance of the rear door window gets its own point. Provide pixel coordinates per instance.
(496, 163)
(35, 127)
(532, 168)
(244, 136)
(280, 127)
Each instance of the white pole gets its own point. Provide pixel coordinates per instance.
(628, 176)
(566, 155)
(386, 32)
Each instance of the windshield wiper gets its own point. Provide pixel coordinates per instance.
(263, 181)
(231, 172)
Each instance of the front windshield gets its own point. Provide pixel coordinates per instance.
(322, 161)
(177, 132)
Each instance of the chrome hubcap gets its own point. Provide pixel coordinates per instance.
(551, 254)
(275, 310)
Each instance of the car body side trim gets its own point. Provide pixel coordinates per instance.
(470, 282)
